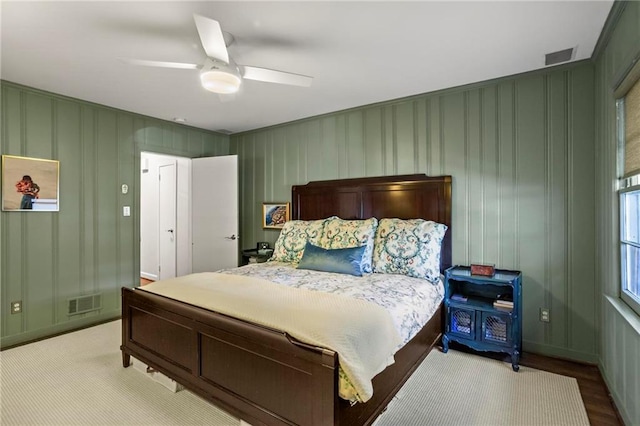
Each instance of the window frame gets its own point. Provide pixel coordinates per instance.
(627, 297)
(625, 184)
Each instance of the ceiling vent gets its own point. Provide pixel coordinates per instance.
(558, 57)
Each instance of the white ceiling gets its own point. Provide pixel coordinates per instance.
(358, 52)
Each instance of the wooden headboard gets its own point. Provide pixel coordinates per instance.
(403, 197)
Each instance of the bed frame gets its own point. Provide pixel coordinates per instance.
(262, 375)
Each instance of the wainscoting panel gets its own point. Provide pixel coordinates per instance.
(68, 249)
(581, 213)
(530, 189)
(108, 214)
(556, 208)
(520, 151)
(87, 247)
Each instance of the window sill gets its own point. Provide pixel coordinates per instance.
(626, 312)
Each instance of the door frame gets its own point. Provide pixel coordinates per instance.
(168, 217)
(149, 163)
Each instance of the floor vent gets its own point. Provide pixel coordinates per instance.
(82, 304)
(558, 57)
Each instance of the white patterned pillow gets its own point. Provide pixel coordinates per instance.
(340, 233)
(293, 237)
(408, 247)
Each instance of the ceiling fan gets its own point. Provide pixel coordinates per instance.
(219, 73)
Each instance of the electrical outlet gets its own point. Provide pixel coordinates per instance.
(16, 307)
(544, 315)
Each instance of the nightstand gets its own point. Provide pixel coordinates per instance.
(484, 312)
(256, 256)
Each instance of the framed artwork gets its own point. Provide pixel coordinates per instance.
(274, 215)
(30, 184)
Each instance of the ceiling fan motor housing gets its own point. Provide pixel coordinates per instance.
(219, 77)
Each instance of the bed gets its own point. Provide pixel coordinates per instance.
(264, 375)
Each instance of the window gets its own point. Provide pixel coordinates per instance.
(628, 112)
(630, 245)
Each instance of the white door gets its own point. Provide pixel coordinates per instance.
(214, 212)
(167, 221)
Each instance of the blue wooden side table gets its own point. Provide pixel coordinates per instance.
(479, 313)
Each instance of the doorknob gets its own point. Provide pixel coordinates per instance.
(233, 237)
(170, 230)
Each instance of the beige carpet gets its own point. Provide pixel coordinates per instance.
(457, 388)
(78, 379)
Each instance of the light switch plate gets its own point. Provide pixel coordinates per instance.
(126, 211)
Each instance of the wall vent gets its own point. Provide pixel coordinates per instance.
(558, 57)
(82, 304)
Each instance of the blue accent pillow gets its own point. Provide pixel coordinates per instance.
(341, 261)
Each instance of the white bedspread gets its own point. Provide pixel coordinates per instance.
(361, 332)
(410, 301)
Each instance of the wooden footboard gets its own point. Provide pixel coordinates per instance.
(257, 374)
(254, 373)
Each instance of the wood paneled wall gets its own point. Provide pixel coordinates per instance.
(521, 153)
(88, 246)
(620, 326)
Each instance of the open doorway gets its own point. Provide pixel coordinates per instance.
(165, 216)
(180, 234)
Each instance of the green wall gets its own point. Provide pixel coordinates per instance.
(620, 327)
(88, 246)
(521, 152)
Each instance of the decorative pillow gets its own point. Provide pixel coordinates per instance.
(341, 261)
(294, 236)
(339, 233)
(408, 247)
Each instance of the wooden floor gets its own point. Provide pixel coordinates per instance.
(595, 395)
(144, 281)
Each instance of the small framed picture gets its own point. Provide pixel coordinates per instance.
(30, 184)
(274, 215)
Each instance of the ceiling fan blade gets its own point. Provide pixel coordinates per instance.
(211, 38)
(160, 64)
(273, 76)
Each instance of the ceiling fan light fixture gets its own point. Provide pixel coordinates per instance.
(219, 81)
(219, 73)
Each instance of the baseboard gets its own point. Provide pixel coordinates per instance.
(618, 400)
(149, 276)
(66, 327)
(559, 352)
